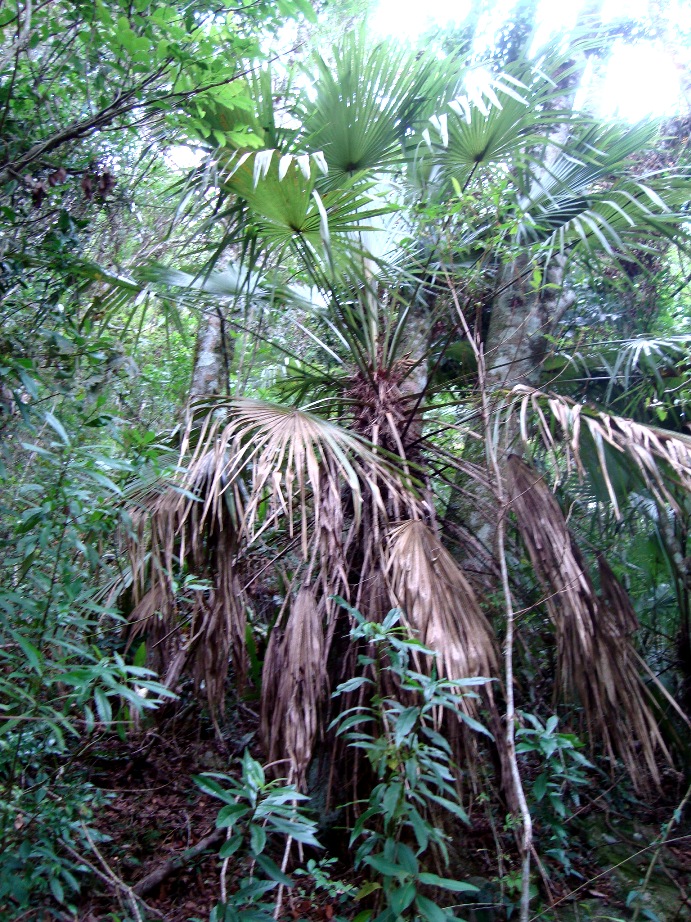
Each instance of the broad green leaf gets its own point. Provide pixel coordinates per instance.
(228, 816)
(272, 870)
(257, 839)
(430, 910)
(457, 886)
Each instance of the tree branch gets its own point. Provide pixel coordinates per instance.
(165, 870)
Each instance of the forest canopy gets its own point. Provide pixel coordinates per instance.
(345, 456)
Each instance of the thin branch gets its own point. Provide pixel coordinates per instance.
(526, 842)
(165, 870)
(588, 883)
(676, 817)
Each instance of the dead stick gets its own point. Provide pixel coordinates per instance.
(163, 871)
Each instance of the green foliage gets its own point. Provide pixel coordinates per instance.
(319, 872)
(62, 681)
(556, 789)
(345, 212)
(257, 814)
(413, 765)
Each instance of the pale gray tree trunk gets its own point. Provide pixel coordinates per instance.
(522, 316)
(524, 311)
(211, 361)
(415, 350)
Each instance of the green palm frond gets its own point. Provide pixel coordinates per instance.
(638, 376)
(281, 192)
(587, 193)
(468, 139)
(366, 102)
(505, 123)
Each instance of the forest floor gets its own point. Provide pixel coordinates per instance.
(152, 813)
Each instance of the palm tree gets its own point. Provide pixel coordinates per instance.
(399, 217)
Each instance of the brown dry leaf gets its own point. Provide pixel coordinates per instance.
(439, 604)
(170, 530)
(260, 457)
(656, 453)
(283, 452)
(596, 660)
(294, 686)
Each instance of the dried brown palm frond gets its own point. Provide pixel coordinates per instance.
(439, 604)
(658, 455)
(596, 660)
(198, 630)
(617, 600)
(294, 686)
(260, 464)
(310, 473)
(285, 453)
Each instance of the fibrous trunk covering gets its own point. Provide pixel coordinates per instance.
(596, 659)
(198, 633)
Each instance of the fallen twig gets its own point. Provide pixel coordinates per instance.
(163, 871)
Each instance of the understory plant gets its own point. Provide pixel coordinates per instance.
(259, 815)
(400, 833)
(557, 787)
(63, 684)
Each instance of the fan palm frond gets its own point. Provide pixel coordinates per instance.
(658, 456)
(505, 124)
(366, 101)
(469, 139)
(587, 194)
(291, 455)
(281, 192)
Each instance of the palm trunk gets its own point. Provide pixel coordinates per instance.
(522, 316)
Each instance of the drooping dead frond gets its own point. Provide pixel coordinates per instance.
(617, 600)
(596, 661)
(285, 452)
(195, 630)
(439, 604)
(658, 455)
(294, 685)
(259, 465)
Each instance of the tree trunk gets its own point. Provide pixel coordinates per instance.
(418, 332)
(211, 360)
